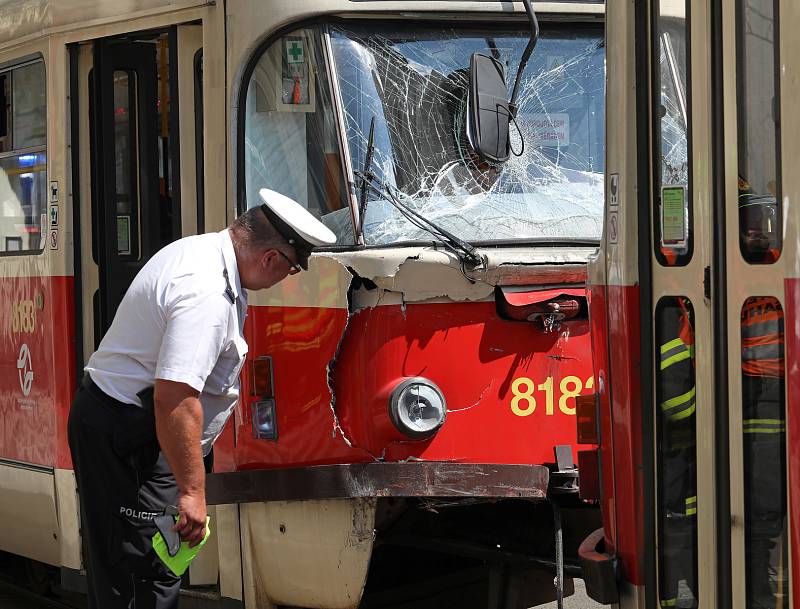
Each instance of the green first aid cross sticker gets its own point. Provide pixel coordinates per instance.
(295, 52)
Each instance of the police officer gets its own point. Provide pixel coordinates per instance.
(160, 387)
(675, 385)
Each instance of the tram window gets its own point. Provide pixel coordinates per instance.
(672, 115)
(23, 159)
(757, 95)
(764, 444)
(28, 107)
(676, 453)
(126, 172)
(290, 135)
(5, 112)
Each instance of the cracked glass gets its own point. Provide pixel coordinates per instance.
(758, 130)
(673, 211)
(413, 83)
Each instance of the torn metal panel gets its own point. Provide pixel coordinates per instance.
(422, 274)
(413, 84)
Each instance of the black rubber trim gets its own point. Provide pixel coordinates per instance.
(719, 306)
(75, 187)
(199, 143)
(644, 28)
(174, 138)
(31, 467)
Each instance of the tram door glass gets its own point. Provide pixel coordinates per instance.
(764, 442)
(672, 183)
(23, 159)
(125, 130)
(760, 217)
(676, 455)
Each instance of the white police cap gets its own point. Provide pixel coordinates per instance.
(295, 223)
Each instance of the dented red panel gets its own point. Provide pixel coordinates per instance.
(509, 386)
(36, 369)
(792, 341)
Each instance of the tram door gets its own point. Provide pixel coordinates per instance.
(718, 413)
(135, 163)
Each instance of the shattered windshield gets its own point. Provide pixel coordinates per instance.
(414, 84)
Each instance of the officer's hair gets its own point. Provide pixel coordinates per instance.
(255, 232)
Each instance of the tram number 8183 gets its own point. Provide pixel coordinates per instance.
(23, 317)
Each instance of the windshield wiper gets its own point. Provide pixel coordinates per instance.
(465, 252)
(362, 204)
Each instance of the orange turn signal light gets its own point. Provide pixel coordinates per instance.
(262, 380)
(586, 415)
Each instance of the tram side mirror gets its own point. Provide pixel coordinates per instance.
(488, 112)
(489, 109)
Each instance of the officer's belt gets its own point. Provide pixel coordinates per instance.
(131, 426)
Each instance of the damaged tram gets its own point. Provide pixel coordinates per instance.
(407, 402)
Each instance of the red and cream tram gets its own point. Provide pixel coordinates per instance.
(402, 399)
(694, 309)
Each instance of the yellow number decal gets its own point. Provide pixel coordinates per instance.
(519, 396)
(547, 387)
(31, 316)
(570, 387)
(566, 394)
(23, 317)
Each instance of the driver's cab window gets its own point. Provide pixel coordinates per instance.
(290, 138)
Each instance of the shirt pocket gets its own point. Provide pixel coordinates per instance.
(231, 361)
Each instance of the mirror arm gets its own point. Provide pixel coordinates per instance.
(525, 55)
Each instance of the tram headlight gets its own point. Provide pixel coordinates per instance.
(417, 408)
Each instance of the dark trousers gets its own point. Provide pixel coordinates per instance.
(765, 501)
(124, 481)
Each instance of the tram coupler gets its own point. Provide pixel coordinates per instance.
(563, 483)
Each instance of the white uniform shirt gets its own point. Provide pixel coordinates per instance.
(180, 320)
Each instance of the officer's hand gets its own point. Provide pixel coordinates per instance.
(191, 525)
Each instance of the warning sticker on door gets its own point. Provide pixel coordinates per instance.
(613, 190)
(673, 215)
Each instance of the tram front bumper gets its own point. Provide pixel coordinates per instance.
(393, 479)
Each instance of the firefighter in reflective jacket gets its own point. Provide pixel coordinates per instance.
(677, 457)
(763, 405)
(764, 427)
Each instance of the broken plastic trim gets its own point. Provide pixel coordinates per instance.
(545, 307)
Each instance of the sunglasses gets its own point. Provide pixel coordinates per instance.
(294, 268)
